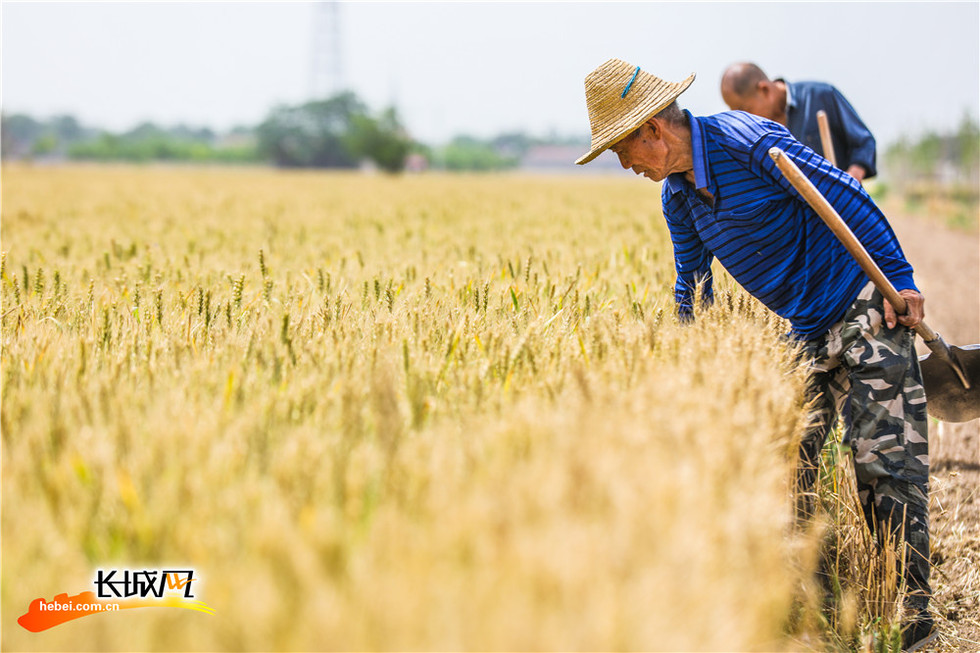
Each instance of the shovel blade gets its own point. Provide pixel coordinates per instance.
(946, 398)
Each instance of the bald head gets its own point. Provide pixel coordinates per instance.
(742, 78)
(745, 87)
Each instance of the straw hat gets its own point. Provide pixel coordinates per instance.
(621, 97)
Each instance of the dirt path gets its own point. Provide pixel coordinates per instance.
(947, 270)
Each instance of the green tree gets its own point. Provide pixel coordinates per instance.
(931, 153)
(19, 131)
(381, 140)
(315, 134)
(67, 129)
(968, 144)
(47, 143)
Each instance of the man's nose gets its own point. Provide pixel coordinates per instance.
(623, 160)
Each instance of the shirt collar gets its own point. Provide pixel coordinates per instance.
(702, 174)
(790, 100)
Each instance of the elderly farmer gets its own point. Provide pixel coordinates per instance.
(794, 105)
(723, 197)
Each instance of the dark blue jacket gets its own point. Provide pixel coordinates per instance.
(853, 142)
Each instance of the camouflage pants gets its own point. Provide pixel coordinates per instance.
(860, 358)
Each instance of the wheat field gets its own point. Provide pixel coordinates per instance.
(414, 413)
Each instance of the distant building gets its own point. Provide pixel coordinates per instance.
(416, 163)
(561, 159)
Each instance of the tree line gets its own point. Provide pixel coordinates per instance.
(950, 158)
(337, 132)
(24, 137)
(341, 132)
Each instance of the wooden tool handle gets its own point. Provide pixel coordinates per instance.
(828, 144)
(819, 203)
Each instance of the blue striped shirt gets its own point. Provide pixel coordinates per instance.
(762, 230)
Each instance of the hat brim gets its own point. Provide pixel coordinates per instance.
(633, 122)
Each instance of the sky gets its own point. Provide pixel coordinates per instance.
(476, 68)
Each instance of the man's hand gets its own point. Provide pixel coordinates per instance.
(915, 310)
(856, 171)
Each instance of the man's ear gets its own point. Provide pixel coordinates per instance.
(654, 124)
